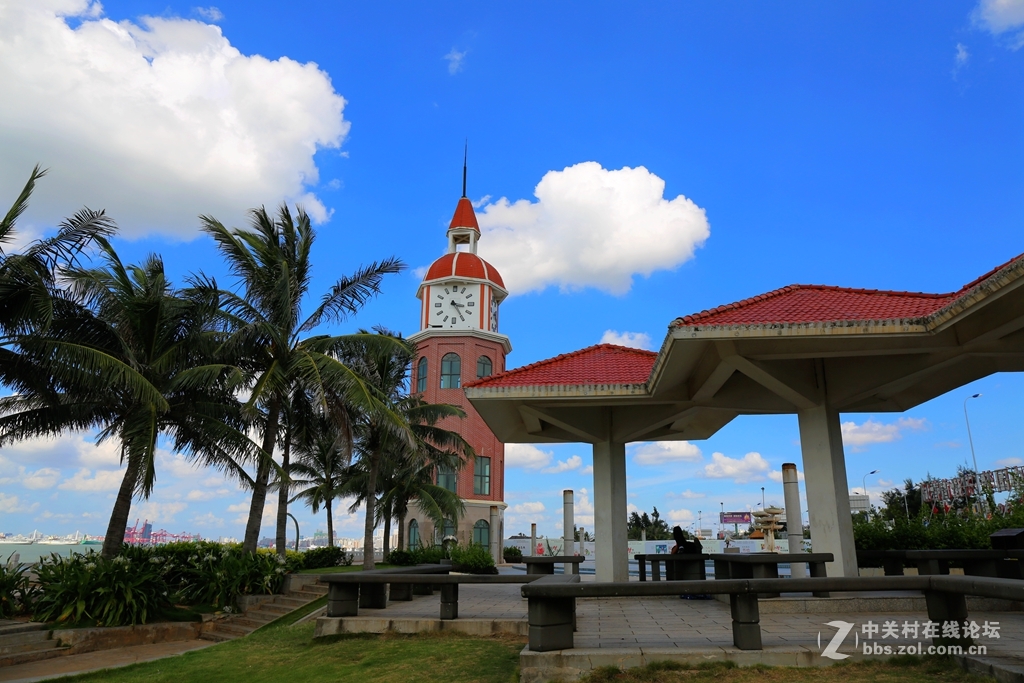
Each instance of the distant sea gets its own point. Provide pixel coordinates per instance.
(31, 552)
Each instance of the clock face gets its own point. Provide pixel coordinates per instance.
(453, 305)
(494, 315)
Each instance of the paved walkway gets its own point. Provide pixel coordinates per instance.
(94, 661)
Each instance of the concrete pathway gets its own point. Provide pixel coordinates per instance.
(94, 661)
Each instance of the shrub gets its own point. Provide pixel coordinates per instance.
(117, 592)
(319, 558)
(472, 559)
(429, 555)
(401, 558)
(218, 578)
(512, 554)
(17, 594)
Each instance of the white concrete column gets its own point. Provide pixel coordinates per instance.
(495, 534)
(828, 494)
(610, 511)
(794, 520)
(533, 539)
(568, 527)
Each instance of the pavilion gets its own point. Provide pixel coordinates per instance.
(814, 350)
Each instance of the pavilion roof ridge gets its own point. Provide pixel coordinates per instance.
(923, 317)
(561, 359)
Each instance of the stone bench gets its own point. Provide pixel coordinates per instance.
(552, 604)
(546, 565)
(766, 566)
(375, 594)
(1000, 563)
(345, 591)
(678, 567)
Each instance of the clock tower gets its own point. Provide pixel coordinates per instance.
(459, 342)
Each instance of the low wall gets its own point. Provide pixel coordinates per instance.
(107, 638)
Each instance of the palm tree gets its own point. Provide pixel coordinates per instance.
(379, 443)
(272, 263)
(134, 359)
(317, 476)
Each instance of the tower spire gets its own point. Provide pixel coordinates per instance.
(465, 158)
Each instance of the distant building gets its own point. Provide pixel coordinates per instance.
(860, 502)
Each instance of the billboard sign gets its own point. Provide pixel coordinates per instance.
(734, 518)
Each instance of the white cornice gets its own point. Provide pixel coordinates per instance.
(488, 336)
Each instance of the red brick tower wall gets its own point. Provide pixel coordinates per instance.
(472, 427)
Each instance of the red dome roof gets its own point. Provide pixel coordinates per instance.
(464, 216)
(463, 264)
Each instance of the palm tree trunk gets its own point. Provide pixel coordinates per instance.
(259, 490)
(401, 531)
(114, 538)
(387, 532)
(371, 500)
(282, 496)
(330, 525)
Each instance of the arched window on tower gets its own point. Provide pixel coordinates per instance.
(414, 535)
(482, 533)
(451, 371)
(484, 367)
(421, 375)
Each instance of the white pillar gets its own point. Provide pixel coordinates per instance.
(610, 511)
(495, 529)
(568, 528)
(533, 539)
(794, 520)
(828, 494)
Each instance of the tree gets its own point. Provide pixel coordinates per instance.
(269, 341)
(317, 476)
(903, 503)
(657, 529)
(134, 358)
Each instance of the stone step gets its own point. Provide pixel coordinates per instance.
(10, 639)
(262, 617)
(306, 596)
(216, 637)
(233, 629)
(38, 655)
(31, 646)
(252, 624)
(290, 602)
(273, 608)
(21, 627)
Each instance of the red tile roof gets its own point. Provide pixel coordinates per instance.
(464, 216)
(463, 264)
(600, 364)
(821, 303)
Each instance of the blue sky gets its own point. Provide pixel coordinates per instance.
(859, 144)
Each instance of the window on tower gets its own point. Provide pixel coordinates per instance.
(451, 371)
(421, 375)
(482, 533)
(482, 476)
(484, 367)
(446, 479)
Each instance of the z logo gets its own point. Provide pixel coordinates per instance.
(832, 649)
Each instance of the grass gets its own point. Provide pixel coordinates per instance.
(283, 652)
(339, 570)
(895, 670)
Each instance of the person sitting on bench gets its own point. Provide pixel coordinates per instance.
(684, 544)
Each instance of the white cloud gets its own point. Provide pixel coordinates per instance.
(590, 227)
(207, 519)
(197, 495)
(681, 517)
(1001, 16)
(857, 436)
(534, 508)
(583, 509)
(455, 60)
(776, 475)
(85, 480)
(635, 340)
(688, 494)
(962, 55)
(209, 13)
(664, 452)
(750, 467)
(157, 120)
(12, 505)
(66, 450)
(1009, 462)
(162, 513)
(44, 478)
(589, 469)
(526, 456)
(573, 463)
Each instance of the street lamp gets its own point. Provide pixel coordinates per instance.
(971, 441)
(863, 482)
(762, 498)
(700, 522)
(296, 530)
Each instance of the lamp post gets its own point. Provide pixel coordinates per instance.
(970, 440)
(864, 487)
(700, 523)
(296, 530)
(762, 498)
